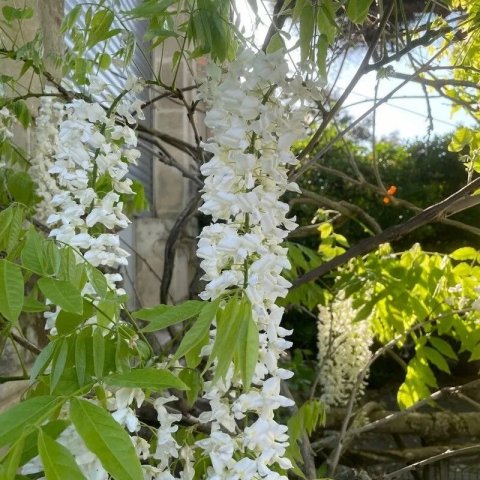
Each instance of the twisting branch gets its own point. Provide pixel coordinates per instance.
(308, 164)
(449, 206)
(427, 39)
(345, 208)
(171, 245)
(175, 142)
(164, 156)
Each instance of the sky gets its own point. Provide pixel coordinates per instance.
(404, 117)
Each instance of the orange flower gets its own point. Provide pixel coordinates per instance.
(391, 191)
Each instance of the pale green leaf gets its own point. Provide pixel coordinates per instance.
(106, 439)
(62, 293)
(150, 378)
(53, 429)
(32, 305)
(461, 138)
(443, 347)
(98, 352)
(357, 10)
(98, 281)
(33, 256)
(307, 25)
(33, 411)
(275, 43)
(43, 360)
(436, 358)
(194, 383)
(81, 356)
(198, 333)
(226, 340)
(464, 253)
(58, 363)
(247, 349)
(11, 461)
(58, 463)
(11, 290)
(164, 316)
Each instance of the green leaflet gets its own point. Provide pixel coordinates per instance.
(58, 462)
(63, 294)
(106, 439)
(198, 333)
(25, 415)
(357, 10)
(11, 290)
(247, 349)
(229, 324)
(151, 378)
(163, 316)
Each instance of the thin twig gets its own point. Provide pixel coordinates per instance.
(436, 458)
(25, 343)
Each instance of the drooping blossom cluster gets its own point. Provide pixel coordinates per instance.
(83, 150)
(255, 114)
(343, 350)
(45, 141)
(6, 120)
(93, 148)
(81, 158)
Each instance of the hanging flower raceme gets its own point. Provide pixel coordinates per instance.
(82, 154)
(343, 350)
(45, 142)
(255, 114)
(6, 120)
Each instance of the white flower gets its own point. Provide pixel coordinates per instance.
(220, 448)
(127, 418)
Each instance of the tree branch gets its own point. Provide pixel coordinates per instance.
(25, 343)
(436, 458)
(449, 206)
(171, 245)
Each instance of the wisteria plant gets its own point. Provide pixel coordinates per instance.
(105, 401)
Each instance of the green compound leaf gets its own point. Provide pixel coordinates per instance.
(26, 414)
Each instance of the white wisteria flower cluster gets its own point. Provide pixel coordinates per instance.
(6, 120)
(255, 114)
(343, 350)
(79, 146)
(93, 148)
(45, 141)
(83, 150)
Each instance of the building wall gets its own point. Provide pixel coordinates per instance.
(172, 192)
